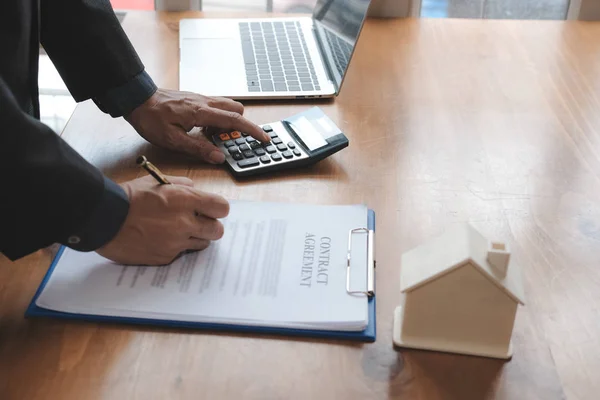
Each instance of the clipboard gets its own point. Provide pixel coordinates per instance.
(367, 335)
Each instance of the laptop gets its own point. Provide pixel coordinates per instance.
(271, 58)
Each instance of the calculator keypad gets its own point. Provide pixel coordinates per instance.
(248, 152)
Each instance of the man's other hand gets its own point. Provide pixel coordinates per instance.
(166, 118)
(164, 221)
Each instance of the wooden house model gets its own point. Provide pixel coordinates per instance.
(460, 294)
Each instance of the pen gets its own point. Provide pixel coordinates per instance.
(143, 162)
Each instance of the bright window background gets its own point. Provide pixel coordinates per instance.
(287, 6)
(495, 9)
(133, 4)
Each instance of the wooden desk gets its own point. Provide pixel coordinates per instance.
(492, 122)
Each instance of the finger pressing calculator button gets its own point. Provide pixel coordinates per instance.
(255, 145)
(244, 147)
(224, 136)
(267, 128)
(235, 135)
(276, 157)
(297, 153)
(240, 141)
(287, 154)
(250, 162)
(259, 152)
(281, 147)
(277, 140)
(270, 149)
(229, 143)
(248, 153)
(291, 145)
(265, 159)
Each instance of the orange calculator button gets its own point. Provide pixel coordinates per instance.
(224, 136)
(236, 135)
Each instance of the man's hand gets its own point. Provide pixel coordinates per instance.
(166, 118)
(165, 220)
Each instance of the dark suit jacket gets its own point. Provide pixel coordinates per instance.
(49, 193)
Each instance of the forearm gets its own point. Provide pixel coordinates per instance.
(50, 194)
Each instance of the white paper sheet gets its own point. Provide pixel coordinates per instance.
(278, 265)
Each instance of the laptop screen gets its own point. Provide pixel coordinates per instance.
(339, 23)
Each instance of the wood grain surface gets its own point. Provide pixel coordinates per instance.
(492, 122)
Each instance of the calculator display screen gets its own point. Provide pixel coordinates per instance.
(313, 129)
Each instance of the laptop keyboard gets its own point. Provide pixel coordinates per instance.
(341, 51)
(276, 57)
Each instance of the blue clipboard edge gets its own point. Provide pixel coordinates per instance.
(367, 335)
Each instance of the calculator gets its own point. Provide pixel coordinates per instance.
(300, 140)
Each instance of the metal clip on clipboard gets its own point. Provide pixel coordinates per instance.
(370, 292)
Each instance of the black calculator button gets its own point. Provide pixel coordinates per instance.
(287, 154)
(291, 145)
(233, 150)
(255, 145)
(250, 162)
(229, 143)
(273, 135)
(244, 147)
(240, 141)
(244, 134)
(281, 147)
(270, 149)
(237, 156)
(250, 139)
(267, 128)
(277, 140)
(259, 152)
(248, 153)
(276, 157)
(297, 153)
(265, 159)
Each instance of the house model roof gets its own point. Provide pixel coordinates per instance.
(457, 247)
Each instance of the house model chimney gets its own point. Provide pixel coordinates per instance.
(498, 256)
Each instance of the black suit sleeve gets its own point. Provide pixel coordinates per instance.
(49, 193)
(93, 55)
